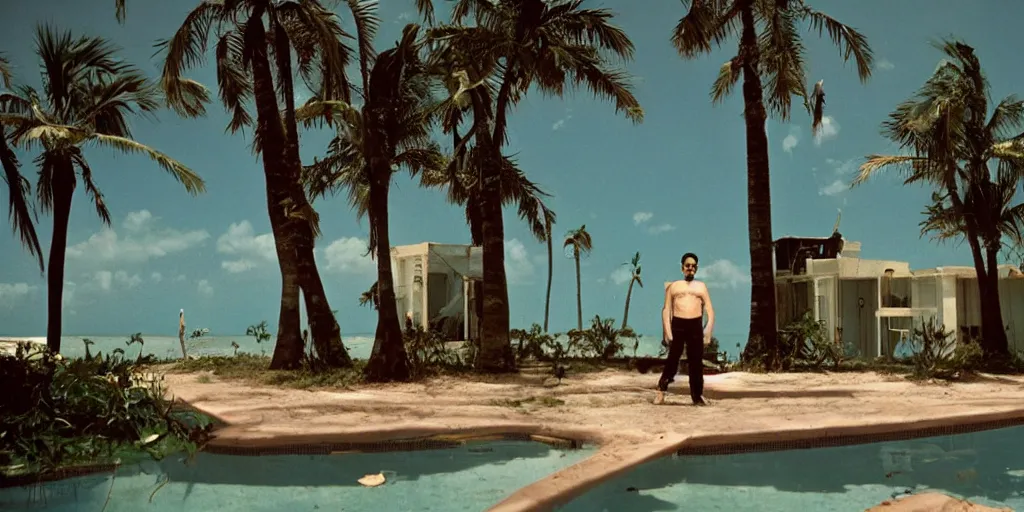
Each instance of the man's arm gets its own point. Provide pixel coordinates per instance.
(711, 314)
(666, 314)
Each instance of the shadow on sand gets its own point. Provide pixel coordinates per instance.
(988, 464)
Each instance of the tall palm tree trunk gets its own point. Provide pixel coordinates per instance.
(323, 326)
(629, 293)
(63, 191)
(495, 353)
(759, 205)
(993, 334)
(268, 124)
(579, 290)
(388, 360)
(547, 295)
(289, 348)
(476, 232)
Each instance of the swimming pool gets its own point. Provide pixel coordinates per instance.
(470, 478)
(986, 467)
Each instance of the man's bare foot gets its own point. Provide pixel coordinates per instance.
(659, 398)
(702, 402)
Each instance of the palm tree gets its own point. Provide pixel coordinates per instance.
(581, 243)
(634, 277)
(519, 43)
(770, 59)
(21, 214)
(390, 131)
(245, 73)
(548, 221)
(952, 143)
(88, 93)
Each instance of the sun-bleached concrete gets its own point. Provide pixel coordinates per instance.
(610, 408)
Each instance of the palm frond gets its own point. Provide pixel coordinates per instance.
(905, 164)
(6, 77)
(120, 11)
(186, 50)
(851, 42)
(707, 23)
(192, 182)
(728, 75)
(364, 14)
(90, 187)
(21, 215)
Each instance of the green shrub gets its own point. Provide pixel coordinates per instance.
(601, 341)
(56, 413)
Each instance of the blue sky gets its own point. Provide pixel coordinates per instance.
(674, 184)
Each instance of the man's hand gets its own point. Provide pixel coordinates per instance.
(707, 338)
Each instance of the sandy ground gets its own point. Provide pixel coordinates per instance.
(612, 408)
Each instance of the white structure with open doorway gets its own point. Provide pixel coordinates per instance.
(873, 306)
(436, 284)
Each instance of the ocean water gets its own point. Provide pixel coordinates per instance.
(359, 345)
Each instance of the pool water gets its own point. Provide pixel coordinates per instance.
(468, 478)
(986, 467)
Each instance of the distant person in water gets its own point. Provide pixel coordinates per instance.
(682, 321)
(181, 333)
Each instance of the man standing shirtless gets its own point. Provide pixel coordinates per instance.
(682, 321)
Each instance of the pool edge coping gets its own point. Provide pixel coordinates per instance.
(547, 493)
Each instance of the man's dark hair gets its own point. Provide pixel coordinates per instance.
(689, 255)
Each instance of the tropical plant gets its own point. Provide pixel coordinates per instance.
(259, 332)
(20, 211)
(519, 43)
(87, 97)
(954, 148)
(370, 297)
(136, 338)
(771, 61)
(255, 39)
(391, 130)
(602, 340)
(57, 413)
(634, 277)
(579, 242)
(548, 221)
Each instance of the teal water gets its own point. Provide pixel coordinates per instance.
(986, 467)
(358, 345)
(470, 478)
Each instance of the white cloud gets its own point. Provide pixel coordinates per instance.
(843, 167)
(135, 221)
(204, 288)
(142, 242)
(561, 122)
(621, 275)
(247, 249)
(833, 189)
(829, 129)
(105, 279)
(724, 274)
(518, 267)
(156, 277)
(660, 228)
(12, 293)
(641, 217)
(67, 299)
(884, 65)
(792, 140)
(347, 255)
(179, 277)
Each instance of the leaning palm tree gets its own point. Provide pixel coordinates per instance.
(581, 243)
(20, 212)
(955, 145)
(634, 277)
(517, 44)
(254, 40)
(771, 61)
(548, 221)
(390, 131)
(88, 94)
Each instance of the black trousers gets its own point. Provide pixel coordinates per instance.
(688, 335)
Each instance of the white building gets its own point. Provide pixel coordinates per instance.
(437, 284)
(873, 305)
